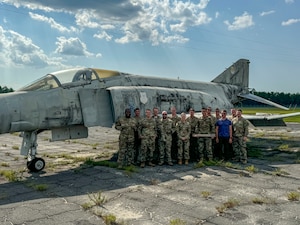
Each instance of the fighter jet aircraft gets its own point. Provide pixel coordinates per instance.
(68, 102)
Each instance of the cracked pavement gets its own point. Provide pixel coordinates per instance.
(154, 195)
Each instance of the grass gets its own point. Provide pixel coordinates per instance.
(263, 200)
(15, 147)
(97, 198)
(92, 162)
(217, 163)
(206, 194)
(231, 203)
(279, 172)
(177, 222)
(10, 175)
(283, 147)
(293, 196)
(254, 152)
(4, 164)
(37, 187)
(154, 181)
(252, 169)
(109, 219)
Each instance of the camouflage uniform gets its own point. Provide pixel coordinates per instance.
(193, 141)
(147, 133)
(183, 131)
(127, 126)
(167, 128)
(205, 126)
(174, 147)
(158, 138)
(137, 141)
(213, 141)
(239, 130)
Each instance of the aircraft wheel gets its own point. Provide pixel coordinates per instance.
(36, 165)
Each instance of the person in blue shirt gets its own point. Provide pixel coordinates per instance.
(223, 136)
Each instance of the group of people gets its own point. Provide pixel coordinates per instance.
(155, 140)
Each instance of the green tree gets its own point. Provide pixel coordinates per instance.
(5, 89)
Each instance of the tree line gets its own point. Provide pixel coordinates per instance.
(5, 89)
(285, 99)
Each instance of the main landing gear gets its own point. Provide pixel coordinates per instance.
(29, 145)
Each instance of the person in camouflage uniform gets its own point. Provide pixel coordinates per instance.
(155, 115)
(183, 129)
(127, 127)
(137, 140)
(147, 134)
(175, 119)
(240, 133)
(205, 126)
(193, 121)
(167, 128)
(214, 119)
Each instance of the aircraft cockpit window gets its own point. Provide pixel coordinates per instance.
(45, 83)
(74, 76)
(83, 75)
(65, 78)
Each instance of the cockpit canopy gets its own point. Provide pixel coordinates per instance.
(68, 78)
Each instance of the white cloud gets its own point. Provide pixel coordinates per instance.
(289, 1)
(86, 18)
(103, 35)
(72, 46)
(18, 50)
(164, 21)
(240, 22)
(267, 13)
(217, 14)
(156, 21)
(290, 22)
(52, 23)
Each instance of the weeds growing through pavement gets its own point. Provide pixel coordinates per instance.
(251, 169)
(279, 172)
(263, 200)
(293, 196)
(154, 181)
(37, 187)
(4, 164)
(109, 219)
(206, 194)
(177, 222)
(11, 175)
(231, 203)
(97, 198)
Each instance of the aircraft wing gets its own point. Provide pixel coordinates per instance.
(270, 116)
(262, 100)
(264, 119)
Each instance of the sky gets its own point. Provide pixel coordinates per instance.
(192, 40)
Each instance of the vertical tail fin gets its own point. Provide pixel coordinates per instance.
(236, 74)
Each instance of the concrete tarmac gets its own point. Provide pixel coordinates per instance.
(66, 191)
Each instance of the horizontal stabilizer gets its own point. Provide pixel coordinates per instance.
(270, 116)
(262, 100)
(266, 119)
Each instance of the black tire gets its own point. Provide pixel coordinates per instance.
(36, 165)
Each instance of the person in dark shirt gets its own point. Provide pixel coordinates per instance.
(224, 136)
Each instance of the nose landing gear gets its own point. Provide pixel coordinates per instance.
(29, 145)
(36, 164)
